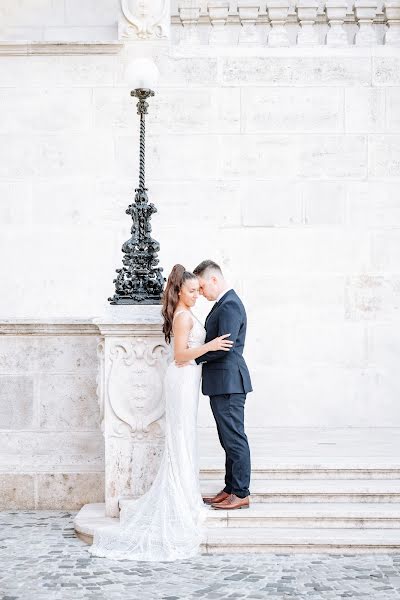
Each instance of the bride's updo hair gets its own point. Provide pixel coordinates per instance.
(170, 297)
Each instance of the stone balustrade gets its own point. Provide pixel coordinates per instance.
(280, 23)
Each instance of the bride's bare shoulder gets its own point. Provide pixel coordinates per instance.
(182, 318)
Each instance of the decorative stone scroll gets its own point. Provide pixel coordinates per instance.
(144, 19)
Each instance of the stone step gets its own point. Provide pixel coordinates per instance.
(314, 515)
(227, 533)
(315, 490)
(272, 539)
(307, 472)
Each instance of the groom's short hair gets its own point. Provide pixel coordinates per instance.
(206, 267)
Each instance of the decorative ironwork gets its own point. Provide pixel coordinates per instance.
(140, 280)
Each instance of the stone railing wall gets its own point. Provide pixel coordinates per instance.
(280, 23)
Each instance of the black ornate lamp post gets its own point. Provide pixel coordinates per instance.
(140, 280)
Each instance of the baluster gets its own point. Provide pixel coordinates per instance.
(392, 12)
(365, 11)
(307, 15)
(278, 13)
(248, 15)
(189, 14)
(218, 12)
(336, 11)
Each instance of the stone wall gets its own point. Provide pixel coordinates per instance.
(280, 163)
(52, 449)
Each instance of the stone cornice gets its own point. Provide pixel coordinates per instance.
(115, 320)
(25, 48)
(48, 327)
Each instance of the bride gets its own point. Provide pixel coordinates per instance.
(166, 523)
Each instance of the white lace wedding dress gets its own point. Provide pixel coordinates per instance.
(166, 523)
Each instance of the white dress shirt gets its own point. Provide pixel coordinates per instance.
(223, 293)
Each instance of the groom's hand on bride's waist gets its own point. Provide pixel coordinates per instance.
(184, 363)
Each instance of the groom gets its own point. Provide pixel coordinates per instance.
(226, 380)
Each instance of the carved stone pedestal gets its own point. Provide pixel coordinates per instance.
(133, 357)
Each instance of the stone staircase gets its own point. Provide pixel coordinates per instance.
(307, 509)
(303, 508)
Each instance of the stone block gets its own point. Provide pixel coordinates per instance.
(81, 34)
(184, 71)
(17, 156)
(386, 70)
(72, 353)
(302, 71)
(324, 202)
(301, 297)
(384, 345)
(56, 155)
(69, 401)
(384, 156)
(373, 297)
(392, 110)
(364, 110)
(48, 110)
(211, 204)
(259, 156)
(17, 491)
(308, 343)
(374, 204)
(38, 450)
(65, 155)
(18, 354)
(16, 203)
(211, 110)
(283, 109)
(91, 12)
(270, 203)
(60, 201)
(386, 251)
(296, 251)
(58, 71)
(114, 107)
(331, 157)
(69, 491)
(16, 402)
(202, 245)
(171, 157)
(28, 13)
(309, 397)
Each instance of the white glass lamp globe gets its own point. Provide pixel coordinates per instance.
(142, 73)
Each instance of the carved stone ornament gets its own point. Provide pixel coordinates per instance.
(145, 19)
(135, 387)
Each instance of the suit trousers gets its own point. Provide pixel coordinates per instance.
(228, 411)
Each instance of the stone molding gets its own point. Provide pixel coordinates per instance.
(48, 327)
(27, 48)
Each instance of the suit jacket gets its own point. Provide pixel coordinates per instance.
(226, 372)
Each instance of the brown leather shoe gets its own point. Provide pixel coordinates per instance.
(215, 499)
(232, 502)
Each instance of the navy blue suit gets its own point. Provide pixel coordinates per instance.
(226, 380)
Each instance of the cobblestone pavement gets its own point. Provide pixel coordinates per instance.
(41, 558)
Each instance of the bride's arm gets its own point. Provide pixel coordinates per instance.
(182, 326)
